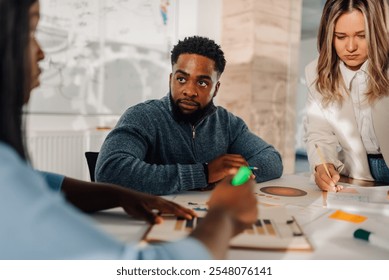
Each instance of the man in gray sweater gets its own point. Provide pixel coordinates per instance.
(183, 141)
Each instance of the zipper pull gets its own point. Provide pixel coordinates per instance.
(193, 132)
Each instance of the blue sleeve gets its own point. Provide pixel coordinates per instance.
(53, 180)
(188, 248)
(39, 224)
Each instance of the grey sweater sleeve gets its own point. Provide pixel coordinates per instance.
(122, 160)
(256, 151)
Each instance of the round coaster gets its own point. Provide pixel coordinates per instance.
(283, 191)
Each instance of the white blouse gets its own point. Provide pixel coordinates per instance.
(357, 82)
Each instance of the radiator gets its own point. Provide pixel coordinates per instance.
(63, 151)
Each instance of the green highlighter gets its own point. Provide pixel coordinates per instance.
(242, 176)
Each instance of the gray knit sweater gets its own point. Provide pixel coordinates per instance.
(150, 151)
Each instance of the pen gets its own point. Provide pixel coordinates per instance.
(252, 167)
(372, 238)
(242, 176)
(322, 160)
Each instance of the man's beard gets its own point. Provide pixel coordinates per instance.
(191, 118)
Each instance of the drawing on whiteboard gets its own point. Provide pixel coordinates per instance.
(102, 56)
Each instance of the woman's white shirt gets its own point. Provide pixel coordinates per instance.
(357, 82)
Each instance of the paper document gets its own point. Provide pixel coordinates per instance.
(361, 199)
(269, 232)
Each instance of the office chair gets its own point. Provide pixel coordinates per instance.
(91, 158)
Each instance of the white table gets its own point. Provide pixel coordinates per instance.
(331, 239)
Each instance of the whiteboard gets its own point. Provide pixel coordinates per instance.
(102, 56)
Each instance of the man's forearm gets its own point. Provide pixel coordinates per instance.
(215, 231)
(91, 197)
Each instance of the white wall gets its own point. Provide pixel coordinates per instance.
(308, 52)
(199, 17)
(209, 16)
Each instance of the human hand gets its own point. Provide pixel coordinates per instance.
(143, 206)
(324, 182)
(239, 201)
(224, 165)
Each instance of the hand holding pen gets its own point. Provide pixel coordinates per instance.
(326, 176)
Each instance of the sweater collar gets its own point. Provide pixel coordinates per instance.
(209, 110)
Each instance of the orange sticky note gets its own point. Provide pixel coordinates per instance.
(344, 216)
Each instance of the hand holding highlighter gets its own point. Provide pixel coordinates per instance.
(242, 176)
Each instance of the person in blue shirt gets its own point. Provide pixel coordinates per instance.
(183, 138)
(38, 223)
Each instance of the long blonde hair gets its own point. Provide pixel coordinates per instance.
(329, 82)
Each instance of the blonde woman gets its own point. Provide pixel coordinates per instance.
(347, 108)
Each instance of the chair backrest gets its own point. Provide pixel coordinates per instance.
(91, 158)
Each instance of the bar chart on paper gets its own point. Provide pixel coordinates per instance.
(280, 232)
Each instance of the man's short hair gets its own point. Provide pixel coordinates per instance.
(201, 46)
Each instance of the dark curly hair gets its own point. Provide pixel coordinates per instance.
(201, 46)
